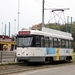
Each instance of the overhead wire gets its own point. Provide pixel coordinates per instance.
(54, 4)
(58, 15)
(37, 1)
(47, 4)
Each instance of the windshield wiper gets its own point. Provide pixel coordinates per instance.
(23, 45)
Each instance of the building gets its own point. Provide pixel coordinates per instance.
(7, 43)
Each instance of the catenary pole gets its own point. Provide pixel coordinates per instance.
(67, 24)
(5, 29)
(9, 29)
(43, 13)
(71, 26)
(2, 28)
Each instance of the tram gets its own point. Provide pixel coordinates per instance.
(46, 45)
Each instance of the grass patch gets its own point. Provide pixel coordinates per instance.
(8, 63)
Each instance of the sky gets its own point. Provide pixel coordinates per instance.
(30, 13)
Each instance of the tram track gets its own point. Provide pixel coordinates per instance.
(21, 67)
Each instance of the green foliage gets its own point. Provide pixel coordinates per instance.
(53, 26)
(63, 27)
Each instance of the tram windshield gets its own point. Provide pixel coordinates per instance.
(24, 41)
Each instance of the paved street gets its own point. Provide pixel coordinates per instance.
(65, 70)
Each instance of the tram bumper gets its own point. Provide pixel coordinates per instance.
(20, 59)
(31, 59)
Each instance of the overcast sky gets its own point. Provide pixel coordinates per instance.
(30, 12)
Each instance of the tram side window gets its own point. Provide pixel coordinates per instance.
(34, 41)
(70, 44)
(63, 44)
(38, 41)
(55, 42)
(67, 43)
(42, 41)
(46, 42)
(51, 42)
(59, 43)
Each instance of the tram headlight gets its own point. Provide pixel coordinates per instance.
(22, 52)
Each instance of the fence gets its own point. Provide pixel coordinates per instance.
(7, 56)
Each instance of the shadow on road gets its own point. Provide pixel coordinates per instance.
(42, 63)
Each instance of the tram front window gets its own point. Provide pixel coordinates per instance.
(24, 41)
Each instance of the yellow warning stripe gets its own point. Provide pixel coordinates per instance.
(57, 53)
(72, 54)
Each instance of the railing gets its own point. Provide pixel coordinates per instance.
(7, 56)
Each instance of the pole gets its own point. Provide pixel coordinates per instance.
(9, 29)
(71, 26)
(43, 14)
(18, 14)
(68, 19)
(2, 28)
(67, 24)
(14, 26)
(5, 29)
(1, 56)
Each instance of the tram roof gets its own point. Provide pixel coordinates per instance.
(51, 33)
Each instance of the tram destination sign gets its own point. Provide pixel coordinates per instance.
(24, 32)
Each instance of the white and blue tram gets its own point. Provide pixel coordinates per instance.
(45, 45)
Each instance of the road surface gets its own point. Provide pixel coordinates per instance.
(62, 70)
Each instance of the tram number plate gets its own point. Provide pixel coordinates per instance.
(67, 51)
